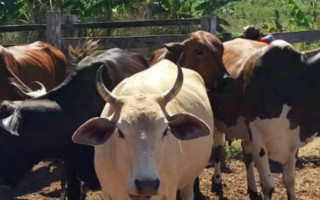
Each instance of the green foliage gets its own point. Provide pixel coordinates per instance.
(277, 22)
(12, 11)
(234, 151)
(191, 9)
(232, 15)
(298, 15)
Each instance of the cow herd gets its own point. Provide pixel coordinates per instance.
(142, 131)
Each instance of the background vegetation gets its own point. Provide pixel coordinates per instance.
(233, 15)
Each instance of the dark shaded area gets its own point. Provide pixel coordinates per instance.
(35, 181)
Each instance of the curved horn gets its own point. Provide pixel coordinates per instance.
(307, 54)
(102, 90)
(30, 93)
(170, 94)
(42, 89)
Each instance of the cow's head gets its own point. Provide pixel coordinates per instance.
(139, 135)
(202, 52)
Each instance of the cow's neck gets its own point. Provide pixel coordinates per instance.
(78, 94)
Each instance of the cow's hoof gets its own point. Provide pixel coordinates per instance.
(254, 195)
(216, 188)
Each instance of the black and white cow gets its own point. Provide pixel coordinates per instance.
(274, 108)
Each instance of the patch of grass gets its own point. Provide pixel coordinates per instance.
(263, 12)
(234, 151)
(302, 46)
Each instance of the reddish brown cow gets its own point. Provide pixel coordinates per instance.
(25, 64)
(202, 52)
(163, 53)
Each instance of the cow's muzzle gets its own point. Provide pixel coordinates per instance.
(224, 84)
(147, 187)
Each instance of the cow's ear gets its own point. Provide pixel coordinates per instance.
(10, 124)
(94, 132)
(174, 47)
(186, 126)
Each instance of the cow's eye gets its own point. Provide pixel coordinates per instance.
(120, 133)
(199, 51)
(165, 132)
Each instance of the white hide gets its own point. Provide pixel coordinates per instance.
(238, 131)
(279, 139)
(178, 162)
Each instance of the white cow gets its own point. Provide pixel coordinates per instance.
(150, 140)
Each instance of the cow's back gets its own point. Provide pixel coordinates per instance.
(237, 52)
(192, 98)
(38, 62)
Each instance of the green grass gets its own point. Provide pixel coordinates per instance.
(262, 12)
(234, 151)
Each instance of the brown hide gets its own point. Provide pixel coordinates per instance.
(163, 53)
(238, 58)
(201, 52)
(38, 61)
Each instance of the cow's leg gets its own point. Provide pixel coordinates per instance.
(63, 183)
(73, 184)
(248, 161)
(196, 190)
(217, 155)
(260, 157)
(187, 192)
(288, 175)
(84, 190)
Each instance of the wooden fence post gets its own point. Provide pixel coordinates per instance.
(69, 19)
(53, 28)
(209, 24)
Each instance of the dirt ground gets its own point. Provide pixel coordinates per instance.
(43, 182)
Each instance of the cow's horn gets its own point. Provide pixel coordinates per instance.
(29, 93)
(170, 94)
(103, 91)
(310, 53)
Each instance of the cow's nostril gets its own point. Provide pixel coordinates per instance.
(147, 186)
(155, 184)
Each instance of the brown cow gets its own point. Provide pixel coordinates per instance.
(202, 52)
(236, 55)
(26, 64)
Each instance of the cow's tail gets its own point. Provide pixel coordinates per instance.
(82, 50)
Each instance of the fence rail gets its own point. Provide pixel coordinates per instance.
(150, 41)
(132, 24)
(20, 28)
(57, 23)
(301, 36)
